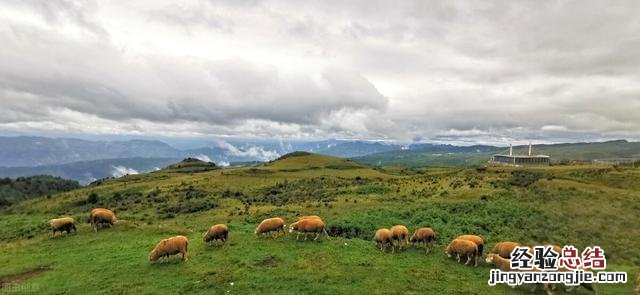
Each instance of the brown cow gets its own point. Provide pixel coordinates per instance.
(504, 249)
(476, 239)
(269, 225)
(424, 235)
(170, 246)
(218, 232)
(63, 224)
(399, 235)
(100, 217)
(463, 248)
(310, 225)
(384, 239)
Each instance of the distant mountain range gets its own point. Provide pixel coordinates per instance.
(34, 151)
(88, 171)
(26, 151)
(85, 160)
(445, 155)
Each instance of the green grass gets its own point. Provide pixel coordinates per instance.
(576, 205)
(303, 161)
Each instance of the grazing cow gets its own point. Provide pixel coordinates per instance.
(476, 239)
(100, 217)
(504, 249)
(309, 226)
(63, 224)
(424, 235)
(170, 246)
(463, 248)
(218, 232)
(399, 235)
(384, 239)
(269, 225)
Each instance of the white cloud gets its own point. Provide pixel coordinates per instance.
(204, 158)
(251, 151)
(478, 71)
(119, 171)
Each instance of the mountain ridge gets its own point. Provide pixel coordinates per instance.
(86, 160)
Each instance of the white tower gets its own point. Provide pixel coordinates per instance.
(529, 149)
(510, 150)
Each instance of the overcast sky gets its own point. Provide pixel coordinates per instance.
(475, 71)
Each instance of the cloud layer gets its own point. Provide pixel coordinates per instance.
(432, 70)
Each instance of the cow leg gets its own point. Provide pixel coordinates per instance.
(317, 235)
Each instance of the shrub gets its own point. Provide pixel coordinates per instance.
(92, 198)
(371, 189)
(523, 178)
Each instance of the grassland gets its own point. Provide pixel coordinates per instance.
(579, 205)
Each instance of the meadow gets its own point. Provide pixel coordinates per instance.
(581, 205)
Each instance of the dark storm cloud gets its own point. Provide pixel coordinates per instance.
(475, 71)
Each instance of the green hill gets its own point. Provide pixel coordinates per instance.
(579, 205)
(191, 165)
(304, 160)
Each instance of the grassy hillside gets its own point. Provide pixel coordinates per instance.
(22, 188)
(579, 205)
(565, 152)
(418, 158)
(305, 161)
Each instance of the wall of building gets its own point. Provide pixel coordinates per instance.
(520, 160)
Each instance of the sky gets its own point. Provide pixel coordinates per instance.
(440, 71)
